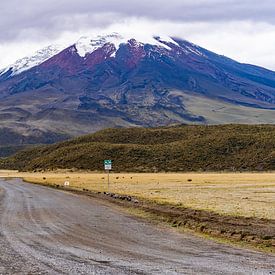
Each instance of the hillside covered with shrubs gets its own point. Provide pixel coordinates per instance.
(178, 148)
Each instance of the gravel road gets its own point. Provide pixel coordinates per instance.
(46, 231)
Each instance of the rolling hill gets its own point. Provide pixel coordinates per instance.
(179, 148)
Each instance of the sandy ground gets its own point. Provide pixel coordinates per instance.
(236, 194)
(45, 231)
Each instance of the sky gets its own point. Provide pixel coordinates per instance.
(243, 30)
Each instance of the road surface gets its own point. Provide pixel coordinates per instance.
(46, 231)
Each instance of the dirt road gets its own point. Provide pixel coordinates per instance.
(45, 231)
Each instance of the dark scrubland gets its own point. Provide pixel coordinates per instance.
(164, 149)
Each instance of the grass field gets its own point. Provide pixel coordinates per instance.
(236, 194)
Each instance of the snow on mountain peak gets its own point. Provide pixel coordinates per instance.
(86, 45)
(29, 62)
(166, 39)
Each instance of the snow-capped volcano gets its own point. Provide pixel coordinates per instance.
(87, 45)
(120, 80)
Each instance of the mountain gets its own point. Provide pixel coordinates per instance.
(115, 81)
(178, 148)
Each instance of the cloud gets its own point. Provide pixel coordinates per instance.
(243, 30)
(49, 18)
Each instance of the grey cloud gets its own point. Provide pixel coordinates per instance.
(19, 19)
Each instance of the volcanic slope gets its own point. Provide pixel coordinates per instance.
(115, 81)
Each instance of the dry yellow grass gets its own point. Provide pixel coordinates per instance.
(238, 194)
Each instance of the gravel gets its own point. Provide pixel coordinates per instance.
(47, 231)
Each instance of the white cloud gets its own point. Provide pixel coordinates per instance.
(244, 40)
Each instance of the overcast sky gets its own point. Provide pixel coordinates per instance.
(241, 29)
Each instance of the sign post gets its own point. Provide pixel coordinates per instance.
(108, 167)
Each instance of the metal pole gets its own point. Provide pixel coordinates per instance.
(108, 180)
